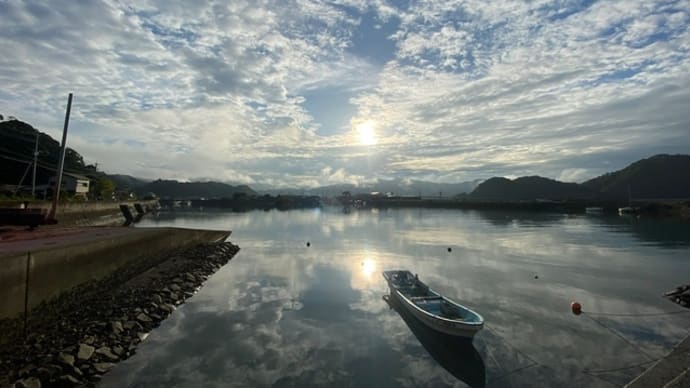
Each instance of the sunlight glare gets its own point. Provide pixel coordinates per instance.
(368, 267)
(366, 132)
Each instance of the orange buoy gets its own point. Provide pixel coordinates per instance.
(576, 307)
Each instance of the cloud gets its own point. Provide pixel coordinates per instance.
(459, 90)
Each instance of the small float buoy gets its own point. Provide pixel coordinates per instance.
(536, 276)
(308, 244)
(449, 249)
(576, 307)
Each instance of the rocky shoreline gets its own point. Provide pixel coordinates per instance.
(76, 338)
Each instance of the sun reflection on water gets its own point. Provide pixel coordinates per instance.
(368, 267)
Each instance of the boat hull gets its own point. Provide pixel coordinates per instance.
(431, 308)
(445, 326)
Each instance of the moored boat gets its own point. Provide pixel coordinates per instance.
(628, 210)
(431, 308)
(455, 354)
(594, 210)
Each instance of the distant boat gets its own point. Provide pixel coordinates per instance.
(628, 209)
(680, 295)
(434, 310)
(594, 210)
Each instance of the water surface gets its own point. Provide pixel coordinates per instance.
(284, 314)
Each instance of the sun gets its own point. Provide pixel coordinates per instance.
(366, 132)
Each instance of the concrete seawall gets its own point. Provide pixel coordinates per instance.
(59, 259)
(86, 212)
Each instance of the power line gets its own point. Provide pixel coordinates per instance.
(42, 165)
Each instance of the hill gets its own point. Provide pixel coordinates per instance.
(127, 182)
(658, 177)
(189, 190)
(17, 142)
(529, 188)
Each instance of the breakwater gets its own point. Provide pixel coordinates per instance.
(72, 340)
(660, 208)
(39, 265)
(245, 203)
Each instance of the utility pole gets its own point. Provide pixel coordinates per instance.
(33, 182)
(61, 163)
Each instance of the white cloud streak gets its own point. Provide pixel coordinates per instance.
(474, 88)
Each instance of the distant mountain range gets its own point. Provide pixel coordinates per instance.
(401, 187)
(657, 177)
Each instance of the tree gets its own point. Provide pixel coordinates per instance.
(106, 188)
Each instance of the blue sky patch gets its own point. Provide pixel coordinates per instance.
(331, 109)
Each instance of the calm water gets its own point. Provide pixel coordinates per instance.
(284, 314)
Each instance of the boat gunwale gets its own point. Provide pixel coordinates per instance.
(474, 325)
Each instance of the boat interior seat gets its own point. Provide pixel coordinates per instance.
(426, 298)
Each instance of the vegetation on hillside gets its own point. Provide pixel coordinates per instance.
(658, 177)
(530, 188)
(182, 190)
(17, 142)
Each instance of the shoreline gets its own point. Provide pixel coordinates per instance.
(75, 338)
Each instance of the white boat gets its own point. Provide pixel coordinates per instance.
(594, 210)
(628, 210)
(431, 308)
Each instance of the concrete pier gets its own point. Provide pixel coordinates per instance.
(673, 371)
(49, 261)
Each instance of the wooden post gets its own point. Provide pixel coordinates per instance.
(26, 295)
(33, 181)
(61, 162)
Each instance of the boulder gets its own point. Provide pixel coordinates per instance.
(66, 359)
(69, 379)
(103, 367)
(117, 327)
(31, 382)
(85, 352)
(105, 351)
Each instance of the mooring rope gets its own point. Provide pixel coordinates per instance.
(589, 372)
(619, 335)
(532, 361)
(601, 371)
(636, 314)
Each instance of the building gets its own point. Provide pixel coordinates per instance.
(74, 184)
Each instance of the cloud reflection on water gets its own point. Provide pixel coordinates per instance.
(287, 315)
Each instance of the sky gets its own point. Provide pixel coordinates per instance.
(298, 93)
